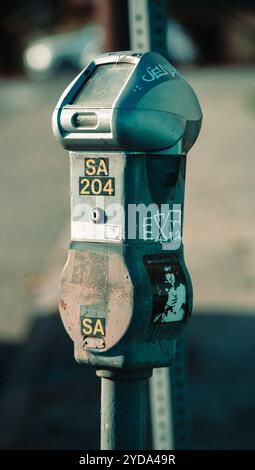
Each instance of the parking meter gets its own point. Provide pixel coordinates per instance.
(128, 120)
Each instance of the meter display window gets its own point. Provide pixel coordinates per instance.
(104, 85)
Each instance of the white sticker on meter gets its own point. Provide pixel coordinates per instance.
(97, 197)
(113, 232)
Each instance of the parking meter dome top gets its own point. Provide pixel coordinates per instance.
(128, 101)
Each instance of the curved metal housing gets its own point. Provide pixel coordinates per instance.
(153, 110)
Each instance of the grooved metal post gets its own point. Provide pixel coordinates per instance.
(147, 25)
(123, 412)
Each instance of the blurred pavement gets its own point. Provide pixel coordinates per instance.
(220, 197)
(219, 228)
(47, 401)
(34, 196)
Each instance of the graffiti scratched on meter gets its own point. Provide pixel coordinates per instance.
(96, 180)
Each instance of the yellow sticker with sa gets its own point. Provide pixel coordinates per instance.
(94, 326)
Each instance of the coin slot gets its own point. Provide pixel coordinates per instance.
(85, 120)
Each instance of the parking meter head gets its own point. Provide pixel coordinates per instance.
(128, 101)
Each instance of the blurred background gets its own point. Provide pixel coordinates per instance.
(47, 401)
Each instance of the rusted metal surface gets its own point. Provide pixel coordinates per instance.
(99, 281)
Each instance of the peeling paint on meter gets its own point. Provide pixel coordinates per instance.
(97, 197)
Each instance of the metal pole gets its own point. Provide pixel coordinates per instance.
(179, 387)
(167, 387)
(169, 407)
(124, 410)
(161, 409)
(147, 25)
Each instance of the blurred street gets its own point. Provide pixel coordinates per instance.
(34, 173)
(219, 214)
(220, 223)
(52, 402)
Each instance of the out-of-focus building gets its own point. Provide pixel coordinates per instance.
(224, 30)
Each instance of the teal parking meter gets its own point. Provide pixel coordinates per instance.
(128, 121)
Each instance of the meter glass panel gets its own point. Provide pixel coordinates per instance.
(104, 85)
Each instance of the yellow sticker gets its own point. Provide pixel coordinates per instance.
(92, 326)
(96, 166)
(103, 186)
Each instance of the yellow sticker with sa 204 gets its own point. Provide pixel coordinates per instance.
(96, 180)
